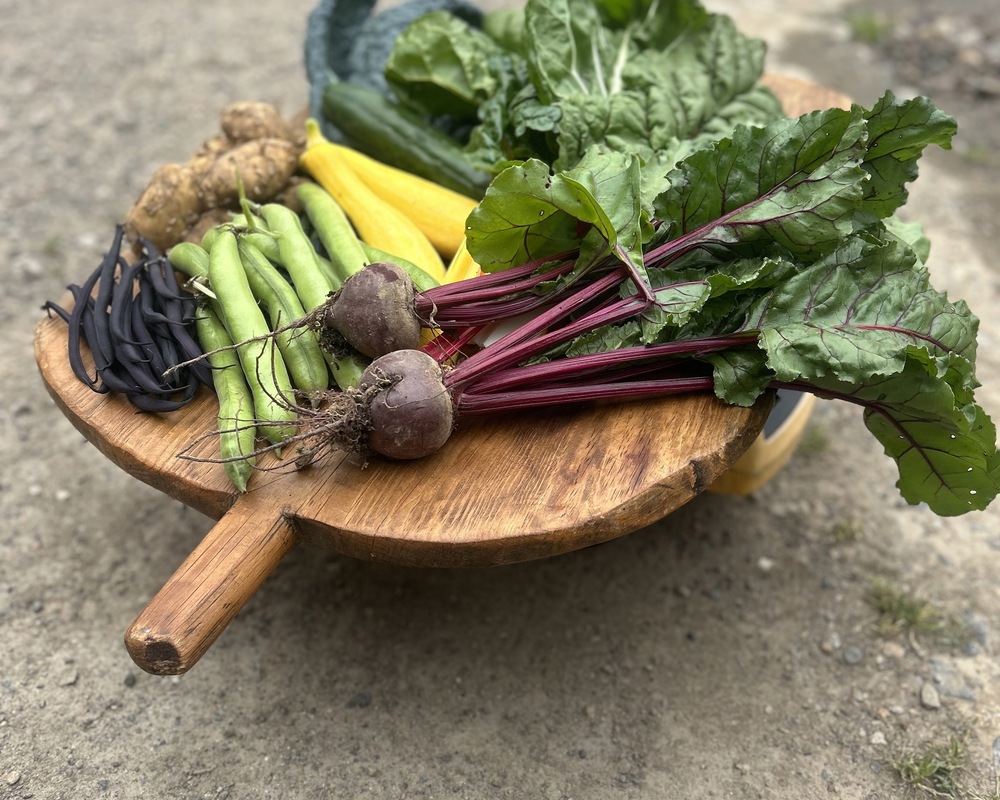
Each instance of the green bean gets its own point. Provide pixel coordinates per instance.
(298, 256)
(265, 242)
(334, 230)
(253, 228)
(347, 368)
(261, 360)
(189, 258)
(299, 346)
(208, 238)
(237, 430)
(328, 269)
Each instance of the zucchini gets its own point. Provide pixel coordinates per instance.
(386, 131)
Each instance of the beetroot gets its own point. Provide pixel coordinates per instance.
(373, 310)
(410, 411)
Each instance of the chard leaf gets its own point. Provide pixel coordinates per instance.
(643, 123)
(741, 376)
(911, 233)
(528, 212)
(570, 51)
(716, 53)
(690, 90)
(655, 24)
(441, 65)
(797, 182)
(755, 107)
(506, 27)
(513, 123)
(867, 310)
(945, 451)
(898, 134)
(734, 61)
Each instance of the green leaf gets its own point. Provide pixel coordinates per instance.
(602, 340)
(570, 51)
(898, 135)
(866, 310)
(655, 24)
(690, 90)
(741, 376)
(682, 297)
(912, 234)
(945, 451)
(676, 303)
(517, 220)
(506, 27)
(529, 213)
(513, 123)
(716, 52)
(797, 182)
(440, 65)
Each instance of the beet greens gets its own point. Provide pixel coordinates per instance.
(775, 261)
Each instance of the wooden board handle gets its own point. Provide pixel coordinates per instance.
(209, 588)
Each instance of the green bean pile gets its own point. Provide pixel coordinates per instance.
(264, 276)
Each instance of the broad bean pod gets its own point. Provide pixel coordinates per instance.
(299, 346)
(236, 420)
(260, 358)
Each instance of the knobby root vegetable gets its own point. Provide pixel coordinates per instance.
(167, 207)
(265, 167)
(246, 120)
(182, 200)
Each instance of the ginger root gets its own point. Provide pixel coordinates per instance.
(255, 142)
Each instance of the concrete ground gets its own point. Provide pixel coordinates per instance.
(732, 650)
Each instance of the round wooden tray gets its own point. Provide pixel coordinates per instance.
(502, 490)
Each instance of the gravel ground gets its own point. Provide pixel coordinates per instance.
(733, 650)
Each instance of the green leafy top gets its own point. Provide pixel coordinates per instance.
(767, 246)
(559, 77)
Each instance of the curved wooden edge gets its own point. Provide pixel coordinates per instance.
(799, 96)
(502, 490)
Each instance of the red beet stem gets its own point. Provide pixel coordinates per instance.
(491, 403)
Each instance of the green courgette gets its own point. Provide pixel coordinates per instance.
(386, 131)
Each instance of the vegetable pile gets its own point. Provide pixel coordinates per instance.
(578, 201)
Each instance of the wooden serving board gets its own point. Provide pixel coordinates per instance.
(502, 490)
